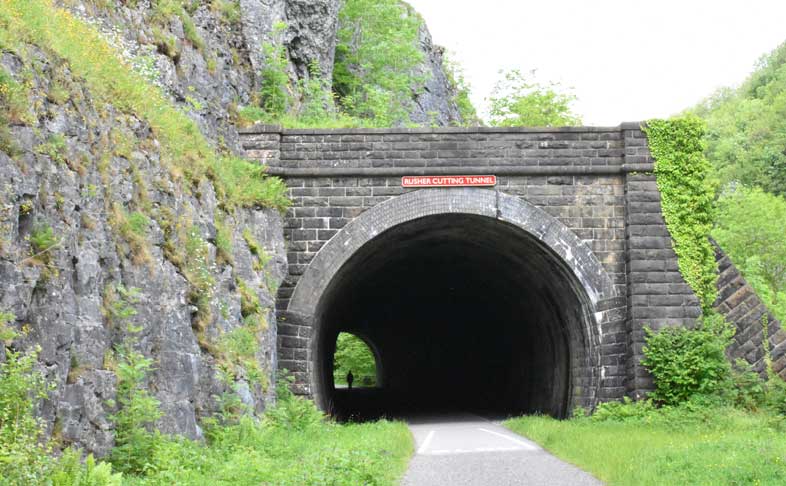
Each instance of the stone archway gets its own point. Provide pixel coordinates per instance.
(542, 289)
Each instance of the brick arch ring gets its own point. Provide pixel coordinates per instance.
(590, 280)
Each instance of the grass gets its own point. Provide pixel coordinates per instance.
(186, 152)
(252, 454)
(718, 446)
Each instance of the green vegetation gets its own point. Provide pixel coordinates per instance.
(746, 133)
(375, 76)
(196, 268)
(42, 238)
(6, 333)
(292, 445)
(70, 471)
(228, 9)
(519, 101)
(751, 227)
(54, 148)
(135, 439)
(683, 175)
(224, 251)
(14, 104)
(275, 80)
(239, 349)
(23, 459)
(706, 422)
(685, 445)
(353, 354)
(687, 362)
(457, 82)
(306, 103)
(747, 127)
(376, 54)
(132, 227)
(165, 10)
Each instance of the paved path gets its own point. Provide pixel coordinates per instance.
(464, 450)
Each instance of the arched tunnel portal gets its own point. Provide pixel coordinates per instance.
(472, 307)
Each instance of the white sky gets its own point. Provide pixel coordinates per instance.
(626, 60)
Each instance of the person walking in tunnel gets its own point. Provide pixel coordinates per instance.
(350, 379)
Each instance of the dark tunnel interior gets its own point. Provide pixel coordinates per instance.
(464, 313)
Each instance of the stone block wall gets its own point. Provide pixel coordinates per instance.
(657, 294)
(738, 302)
(598, 182)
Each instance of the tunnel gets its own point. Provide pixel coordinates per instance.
(464, 313)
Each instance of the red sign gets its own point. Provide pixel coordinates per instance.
(448, 181)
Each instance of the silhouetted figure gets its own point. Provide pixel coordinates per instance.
(350, 379)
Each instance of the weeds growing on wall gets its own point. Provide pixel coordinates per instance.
(687, 193)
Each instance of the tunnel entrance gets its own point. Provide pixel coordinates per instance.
(464, 313)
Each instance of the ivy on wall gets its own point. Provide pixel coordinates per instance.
(683, 175)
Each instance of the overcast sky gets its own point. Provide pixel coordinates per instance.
(627, 60)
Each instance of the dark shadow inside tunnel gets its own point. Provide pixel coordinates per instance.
(464, 313)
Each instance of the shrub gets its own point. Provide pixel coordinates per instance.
(71, 472)
(291, 412)
(275, 80)
(137, 408)
(621, 411)
(685, 362)
(23, 459)
(377, 54)
(747, 389)
(42, 238)
(137, 411)
(518, 100)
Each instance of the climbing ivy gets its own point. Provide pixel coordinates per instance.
(682, 172)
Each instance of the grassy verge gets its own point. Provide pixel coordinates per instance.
(716, 446)
(251, 454)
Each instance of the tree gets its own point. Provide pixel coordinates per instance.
(352, 353)
(746, 138)
(462, 90)
(751, 228)
(519, 101)
(377, 51)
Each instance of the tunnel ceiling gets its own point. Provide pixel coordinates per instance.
(464, 312)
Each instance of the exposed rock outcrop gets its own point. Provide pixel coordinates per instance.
(68, 261)
(435, 103)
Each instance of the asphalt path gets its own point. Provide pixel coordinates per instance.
(464, 450)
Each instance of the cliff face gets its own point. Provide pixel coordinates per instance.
(435, 103)
(209, 59)
(99, 242)
(74, 254)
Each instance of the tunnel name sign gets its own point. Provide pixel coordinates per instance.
(449, 181)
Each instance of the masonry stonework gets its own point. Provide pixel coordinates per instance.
(597, 182)
(739, 304)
